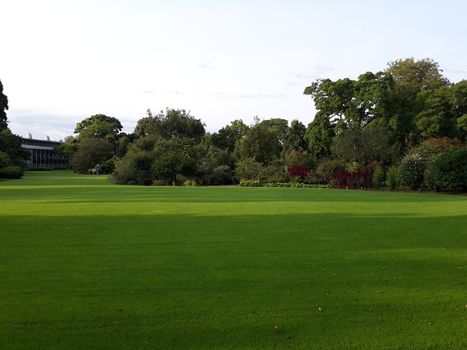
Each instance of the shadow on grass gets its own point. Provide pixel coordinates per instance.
(178, 281)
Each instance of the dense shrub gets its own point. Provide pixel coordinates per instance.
(449, 171)
(328, 168)
(249, 169)
(378, 177)
(412, 170)
(91, 152)
(4, 159)
(190, 183)
(11, 172)
(434, 146)
(347, 179)
(295, 185)
(161, 183)
(249, 183)
(314, 178)
(134, 168)
(392, 178)
(301, 171)
(108, 166)
(221, 175)
(273, 173)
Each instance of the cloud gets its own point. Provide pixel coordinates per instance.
(321, 68)
(40, 124)
(215, 93)
(206, 66)
(318, 69)
(306, 76)
(456, 71)
(260, 96)
(173, 92)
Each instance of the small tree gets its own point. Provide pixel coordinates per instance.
(249, 169)
(412, 170)
(449, 171)
(393, 178)
(378, 177)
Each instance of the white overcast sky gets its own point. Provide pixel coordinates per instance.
(62, 61)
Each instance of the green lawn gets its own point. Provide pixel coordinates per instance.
(89, 265)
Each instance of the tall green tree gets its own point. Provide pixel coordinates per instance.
(373, 143)
(279, 126)
(295, 136)
(171, 124)
(11, 152)
(99, 126)
(352, 103)
(3, 108)
(411, 77)
(438, 115)
(318, 136)
(459, 95)
(172, 157)
(260, 143)
(227, 137)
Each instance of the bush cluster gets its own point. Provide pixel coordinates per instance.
(11, 172)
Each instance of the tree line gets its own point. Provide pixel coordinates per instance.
(403, 126)
(12, 155)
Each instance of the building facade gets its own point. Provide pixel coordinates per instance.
(44, 154)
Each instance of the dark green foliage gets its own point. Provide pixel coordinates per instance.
(373, 143)
(171, 124)
(412, 170)
(449, 171)
(11, 145)
(214, 166)
(69, 146)
(378, 177)
(295, 136)
(3, 108)
(220, 175)
(99, 139)
(319, 136)
(297, 157)
(4, 159)
(99, 126)
(229, 135)
(353, 103)
(172, 157)
(438, 117)
(91, 151)
(411, 78)
(261, 142)
(393, 178)
(248, 169)
(326, 169)
(12, 155)
(134, 168)
(280, 128)
(11, 172)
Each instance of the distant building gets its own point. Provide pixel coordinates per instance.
(44, 154)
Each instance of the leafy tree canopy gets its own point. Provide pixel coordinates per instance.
(171, 124)
(100, 126)
(3, 107)
(227, 137)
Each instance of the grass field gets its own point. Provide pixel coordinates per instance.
(89, 265)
